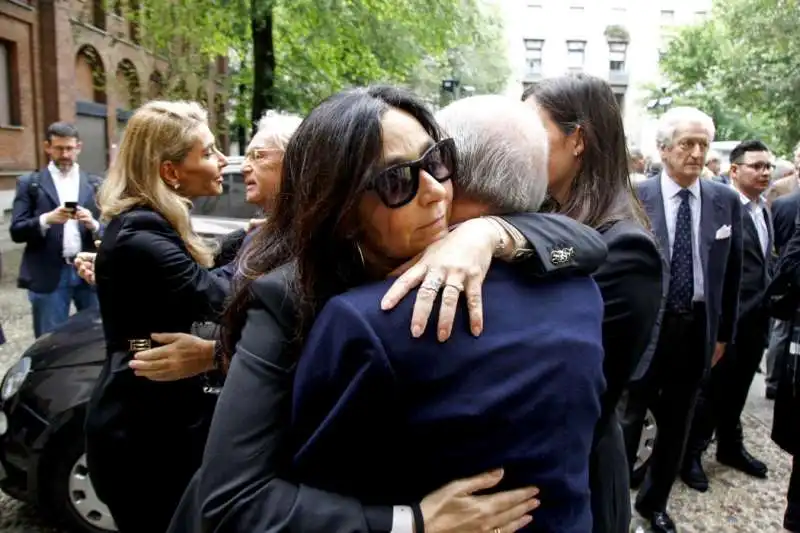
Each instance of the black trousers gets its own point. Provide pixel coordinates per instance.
(669, 390)
(793, 494)
(609, 481)
(724, 392)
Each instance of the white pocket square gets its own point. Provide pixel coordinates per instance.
(723, 232)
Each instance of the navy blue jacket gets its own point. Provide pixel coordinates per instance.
(387, 418)
(43, 259)
(721, 257)
(784, 211)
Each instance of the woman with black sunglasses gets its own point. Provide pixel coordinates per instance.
(374, 193)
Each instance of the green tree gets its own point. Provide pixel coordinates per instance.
(481, 63)
(742, 67)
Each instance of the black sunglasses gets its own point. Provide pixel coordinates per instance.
(398, 184)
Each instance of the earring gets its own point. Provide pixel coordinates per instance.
(360, 255)
(176, 185)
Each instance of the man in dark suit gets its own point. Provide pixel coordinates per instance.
(699, 226)
(724, 394)
(784, 211)
(524, 396)
(55, 215)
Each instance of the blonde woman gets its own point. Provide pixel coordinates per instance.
(145, 438)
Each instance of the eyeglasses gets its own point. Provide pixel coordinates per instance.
(759, 167)
(398, 185)
(259, 155)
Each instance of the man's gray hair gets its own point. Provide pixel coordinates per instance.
(713, 155)
(681, 116)
(275, 129)
(502, 151)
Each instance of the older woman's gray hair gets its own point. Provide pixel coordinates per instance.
(677, 117)
(275, 129)
(502, 151)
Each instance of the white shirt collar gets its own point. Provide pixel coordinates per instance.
(670, 189)
(747, 201)
(55, 171)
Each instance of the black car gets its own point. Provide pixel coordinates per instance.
(43, 401)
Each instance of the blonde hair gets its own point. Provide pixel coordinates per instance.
(157, 132)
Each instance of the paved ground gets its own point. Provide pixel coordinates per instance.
(735, 502)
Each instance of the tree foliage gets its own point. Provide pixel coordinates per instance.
(742, 67)
(321, 46)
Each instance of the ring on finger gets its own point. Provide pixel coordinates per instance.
(496, 530)
(457, 286)
(433, 284)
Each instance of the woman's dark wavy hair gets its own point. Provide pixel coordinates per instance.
(602, 193)
(328, 164)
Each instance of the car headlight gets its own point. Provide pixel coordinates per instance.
(14, 378)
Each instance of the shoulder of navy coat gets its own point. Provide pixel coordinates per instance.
(524, 396)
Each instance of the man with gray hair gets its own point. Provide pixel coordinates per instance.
(699, 226)
(523, 396)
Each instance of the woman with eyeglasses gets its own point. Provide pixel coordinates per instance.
(339, 206)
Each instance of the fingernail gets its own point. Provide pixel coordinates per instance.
(416, 331)
(476, 331)
(497, 473)
(534, 491)
(535, 504)
(442, 335)
(525, 520)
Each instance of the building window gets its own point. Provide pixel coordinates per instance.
(667, 17)
(576, 54)
(533, 56)
(99, 14)
(618, 14)
(9, 99)
(617, 52)
(535, 7)
(700, 15)
(620, 98)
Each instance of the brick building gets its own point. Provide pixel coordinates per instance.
(71, 60)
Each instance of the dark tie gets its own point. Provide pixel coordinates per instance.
(681, 281)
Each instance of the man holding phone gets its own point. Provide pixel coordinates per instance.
(55, 215)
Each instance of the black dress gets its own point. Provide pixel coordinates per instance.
(144, 438)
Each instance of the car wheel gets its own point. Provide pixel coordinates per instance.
(71, 499)
(645, 451)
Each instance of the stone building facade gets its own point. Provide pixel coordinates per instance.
(72, 60)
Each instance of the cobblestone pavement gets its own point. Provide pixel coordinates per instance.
(734, 504)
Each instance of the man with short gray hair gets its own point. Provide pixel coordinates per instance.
(699, 226)
(445, 410)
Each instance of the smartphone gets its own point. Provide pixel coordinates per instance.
(72, 206)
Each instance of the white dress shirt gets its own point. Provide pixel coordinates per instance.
(672, 201)
(756, 210)
(68, 188)
(402, 519)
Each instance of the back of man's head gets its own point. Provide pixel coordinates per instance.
(502, 152)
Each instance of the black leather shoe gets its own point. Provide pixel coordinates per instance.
(791, 520)
(740, 459)
(660, 522)
(693, 474)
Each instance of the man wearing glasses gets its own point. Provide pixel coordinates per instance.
(55, 215)
(724, 393)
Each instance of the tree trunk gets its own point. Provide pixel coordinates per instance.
(263, 60)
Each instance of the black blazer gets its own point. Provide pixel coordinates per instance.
(147, 282)
(756, 276)
(243, 484)
(42, 259)
(784, 211)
